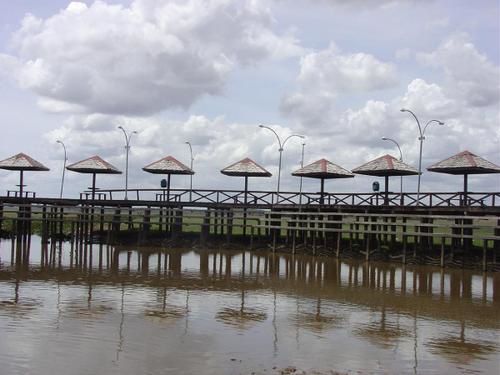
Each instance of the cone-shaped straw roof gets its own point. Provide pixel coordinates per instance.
(246, 167)
(464, 162)
(386, 165)
(22, 162)
(168, 165)
(322, 169)
(94, 164)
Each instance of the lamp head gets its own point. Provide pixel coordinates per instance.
(384, 138)
(135, 132)
(440, 122)
(261, 126)
(120, 127)
(58, 141)
(403, 110)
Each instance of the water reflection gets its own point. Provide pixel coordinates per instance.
(269, 310)
(242, 317)
(456, 348)
(311, 317)
(382, 332)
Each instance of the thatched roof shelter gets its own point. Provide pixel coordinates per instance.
(465, 163)
(169, 166)
(93, 165)
(22, 162)
(386, 166)
(246, 168)
(322, 169)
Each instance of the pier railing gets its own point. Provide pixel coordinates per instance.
(267, 198)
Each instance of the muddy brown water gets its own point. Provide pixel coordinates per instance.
(197, 311)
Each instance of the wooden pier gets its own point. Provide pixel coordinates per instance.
(442, 235)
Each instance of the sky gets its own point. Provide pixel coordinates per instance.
(210, 71)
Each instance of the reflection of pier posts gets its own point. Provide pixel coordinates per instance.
(204, 263)
(496, 287)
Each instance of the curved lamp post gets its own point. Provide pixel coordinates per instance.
(128, 137)
(400, 155)
(64, 167)
(421, 139)
(190, 166)
(281, 148)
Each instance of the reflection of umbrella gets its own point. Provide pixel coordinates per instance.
(382, 333)
(322, 169)
(316, 321)
(241, 318)
(94, 165)
(385, 166)
(167, 311)
(168, 165)
(458, 350)
(465, 163)
(246, 168)
(22, 162)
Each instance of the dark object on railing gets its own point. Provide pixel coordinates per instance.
(163, 183)
(375, 186)
(169, 166)
(385, 166)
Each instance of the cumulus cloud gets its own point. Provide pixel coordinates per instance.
(326, 74)
(470, 75)
(153, 55)
(351, 134)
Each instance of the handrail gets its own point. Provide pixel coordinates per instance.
(257, 197)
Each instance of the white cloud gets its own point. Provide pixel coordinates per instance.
(153, 55)
(470, 76)
(327, 74)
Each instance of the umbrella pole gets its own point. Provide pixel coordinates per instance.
(93, 186)
(321, 199)
(168, 187)
(21, 184)
(246, 188)
(386, 200)
(466, 178)
(245, 210)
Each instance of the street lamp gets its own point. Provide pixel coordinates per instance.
(282, 145)
(128, 137)
(191, 175)
(421, 139)
(400, 155)
(64, 167)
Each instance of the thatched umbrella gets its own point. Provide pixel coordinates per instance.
(22, 162)
(465, 163)
(322, 169)
(246, 168)
(94, 165)
(386, 166)
(168, 165)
